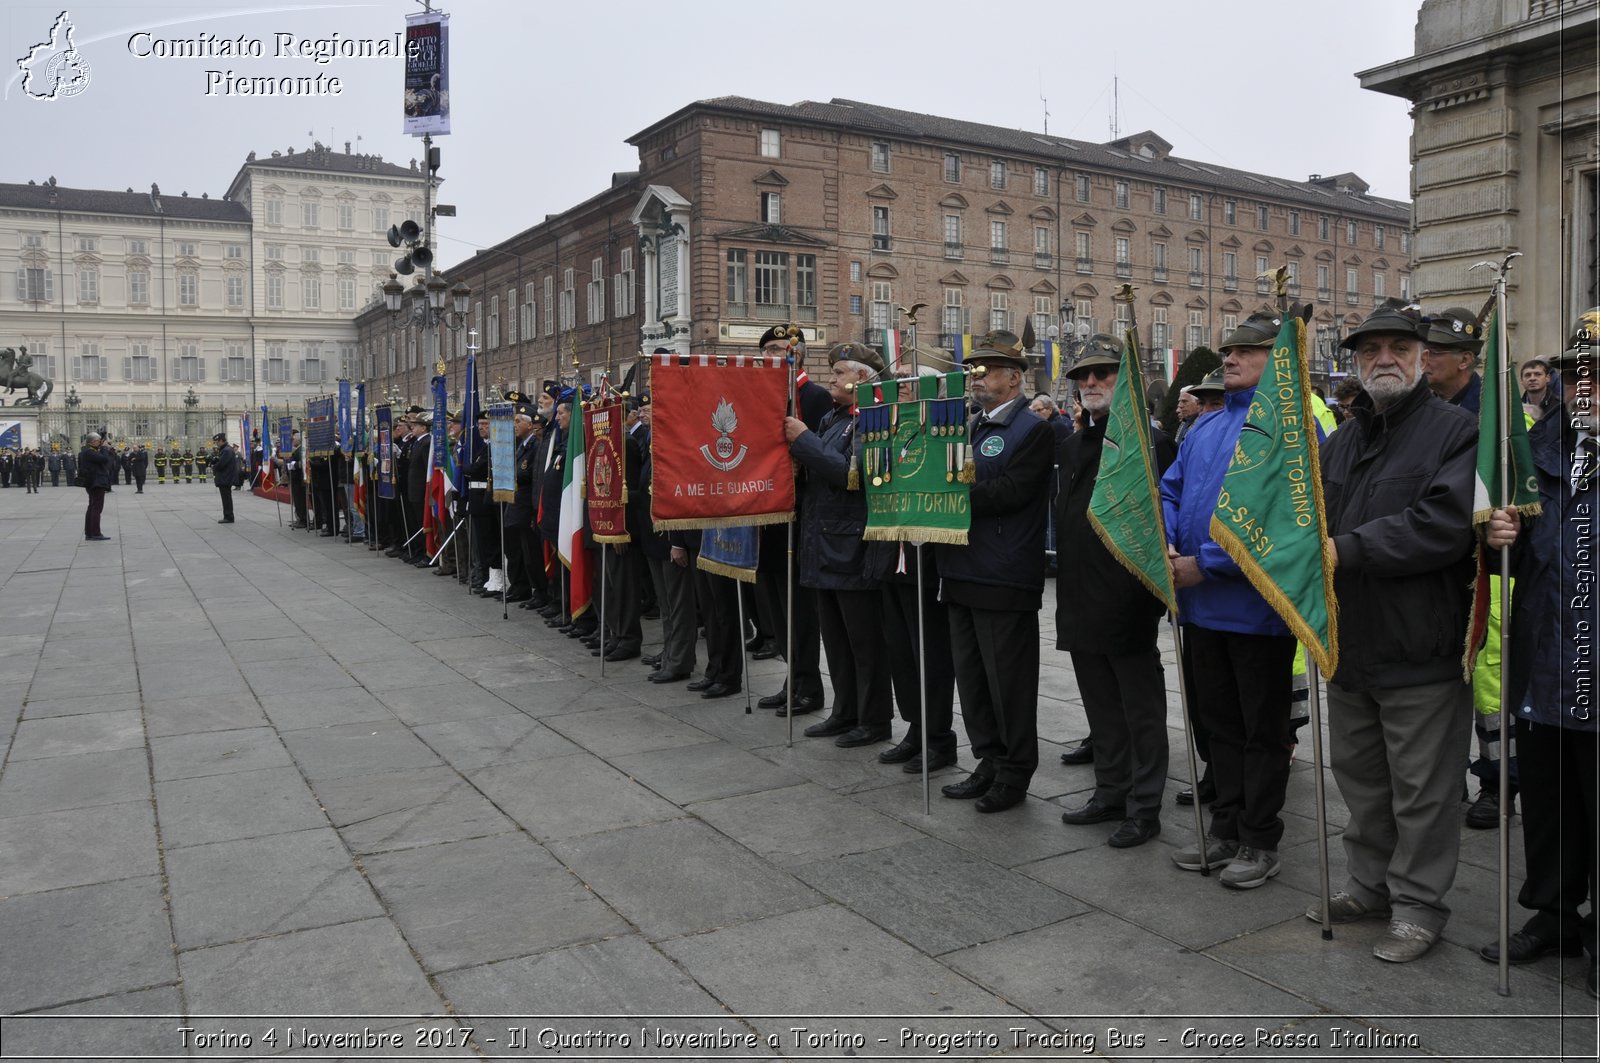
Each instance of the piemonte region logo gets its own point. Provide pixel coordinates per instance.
(54, 69)
(725, 422)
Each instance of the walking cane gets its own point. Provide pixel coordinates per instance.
(788, 597)
(602, 620)
(744, 649)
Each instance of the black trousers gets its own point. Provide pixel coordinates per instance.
(516, 559)
(1560, 829)
(227, 501)
(533, 554)
(624, 595)
(138, 480)
(679, 620)
(772, 603)
(996, 654)
(900, 637)
(1125, 698)
(852, 635)
(1242, 694)
(91, 516)
(724, 654)
(297, 497)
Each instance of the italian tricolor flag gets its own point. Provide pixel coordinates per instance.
(569, 540)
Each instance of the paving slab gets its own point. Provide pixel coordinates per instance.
(845, 771)
(566, 797)
(288, 648)
(293, 711)
(451, 903)
(802, 824)
(76, 847)
(40, 708)
(440, 703)
(248, 804)
(87, 941)
(189, 756)
(66, 735)
(116, 1032)
(81, 780)
(179, 716)
(626, 730)
(227, 891)
(681, 894)
(509, 739)
(412, 669)
(685, 774)
(1031, 831)
(358, 968)
(388, 810)
(313, 677)
(356, 749)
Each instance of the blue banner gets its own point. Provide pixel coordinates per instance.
(385, 425)
(320, 427)
(361, 416)
(346, 430)
(285, 435)
(244, 442)
(469, 426)
(11, 435)
(502, 453)
(730, 551)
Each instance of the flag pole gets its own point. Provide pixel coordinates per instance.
(788, 587)
(1503, 501)
(922, 640)
(744, 649)
(504, 614)
(1314, 702)
(602, 611)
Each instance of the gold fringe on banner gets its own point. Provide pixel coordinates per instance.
(505, 496)
(694, 523)
(852, 481)
(718, 568)
(969, 472)
(623, 538)
(900, 533)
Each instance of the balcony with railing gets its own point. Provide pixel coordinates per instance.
(953, 249)
(1085, 265)
(1042, 260)
(1124, 270)
(1158, 275)
(1230, 284)
(1197, 279)
(999, 256)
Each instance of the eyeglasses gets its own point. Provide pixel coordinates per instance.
(1098, 372)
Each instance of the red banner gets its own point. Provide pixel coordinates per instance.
(605, 486)
(718, 456)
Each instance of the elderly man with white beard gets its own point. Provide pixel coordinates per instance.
(1399, 507)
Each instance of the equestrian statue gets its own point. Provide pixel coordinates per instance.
(16, 371)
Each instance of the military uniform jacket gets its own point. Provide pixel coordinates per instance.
(417, 467)
(479, 501)
(833, 555)
(139, 460)
(635, 453)
(520, 511)
(225, 467)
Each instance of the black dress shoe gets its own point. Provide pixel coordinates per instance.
(766, 652)
(901, 752)
(833, 725)
(862, 736)
(719, 690)
(938, 760)
(1484, 813)
(754, 642)
(1082, 753)
(774, 701)
(1134, 832)
(667, 677)
(538, 601)
(1208, 793)
(623, 653)
(224, 520)
(517, 597)
(578, 631)
(1526, 946)
(702, 684)
(802, 706)
(973, 785)
(651, 660)
(1094, 811)
(1000, 797)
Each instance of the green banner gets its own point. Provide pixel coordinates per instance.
(1270, 516)
(912, 457)
(1125, 509)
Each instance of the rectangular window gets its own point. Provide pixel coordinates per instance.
(275, 252)
(1041, 247)
(1379, 286)
(274, 207)
(997, 173)
(770, 208)
(952, 167)
(1197, 276)
(1122, 195)
(311, 369)
(274, 291)
(493, 339)
(347, 293)
(1159, 201)
(952, 236)
(1377, 237)
(1230, 212)
(1294, 223)
(880, 156)
(188, 289)
(530, 316)
(1196, 207)
(738, 281)
(805, 280)
(1262, 218)
(855, 273)
(138, 287)
(999, 313)
(1081, 187)
(310, 214)
(88, 285)
(1083, 314)
(191, 367)
(953, 321)
(140, 367)
(878, 316)
(855, 305)
(135, 247)
(311, 292)
(187, 249)
(772, 279)
(1230, 322)
(1197, 329)
(1263, 284)
(1350, 287)
(1405, 242)
(1323, 280)
(880, 228)
(233, 286)
(1159, 338)
(347, 216)
(569, 299)
(1082, 248)
(997, 242)
(1124, 252)
(233, 252)
(1041, 181)
(1291, 276)
(549, 306)
(276, 365)
(236, 367)
(769, 143)
(1158, 257)
(1322, 227)
(1230, 270)
(623, 284)
(1405, 287)
(311, 254)
(380, 219)
(346, 257)
(1350, 233)
(597, 291)
(511, 316)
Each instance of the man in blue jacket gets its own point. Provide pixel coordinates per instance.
(1242, 651)
(994, 585)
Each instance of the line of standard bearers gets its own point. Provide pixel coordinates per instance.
(1398, 471)
(28, 467)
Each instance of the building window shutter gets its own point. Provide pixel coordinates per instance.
(77, 367)
(302, 370)
(22, 284)
(127, 369)
(177, 369)
(201, 362)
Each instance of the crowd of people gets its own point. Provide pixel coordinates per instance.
(1398, 465)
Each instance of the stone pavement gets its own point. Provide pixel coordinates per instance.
(251, 772)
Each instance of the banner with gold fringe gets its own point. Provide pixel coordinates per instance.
(605, 480)
(911, 456)
(730, 551)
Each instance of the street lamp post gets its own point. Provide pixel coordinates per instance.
(424, 306)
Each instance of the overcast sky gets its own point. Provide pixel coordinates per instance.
(545, 94)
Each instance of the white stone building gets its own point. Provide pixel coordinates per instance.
(132, 298)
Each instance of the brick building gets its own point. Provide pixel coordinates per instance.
(745, 213)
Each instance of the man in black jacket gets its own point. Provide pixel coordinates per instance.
(1398, 485)
(1109, 627)
(100, 469)
(139, 462)
(519, 514)
(994, 585)
(224, 471)
(627, 571)
(421, 443)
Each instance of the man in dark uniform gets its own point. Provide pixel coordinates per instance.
(54, 464)
(417, 470)
(626, 571)
(188, 466)
(224, 470)
(517, 518)
(161, 465)
(482, 518)
(69, 466)
(994, 585)
(400, 466)
(201, 460)
(1110, 627)
(139, 462)
(774, 591)
(292, 467)
(1451, 340)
